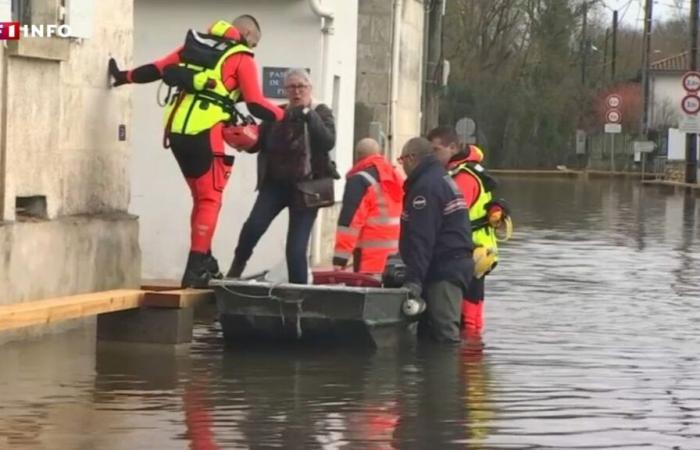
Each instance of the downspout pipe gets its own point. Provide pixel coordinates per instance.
(395, 66)
(327, 16)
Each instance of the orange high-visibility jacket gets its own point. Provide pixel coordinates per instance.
(370, 219)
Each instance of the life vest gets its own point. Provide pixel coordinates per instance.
(193, 112)
(483, 234)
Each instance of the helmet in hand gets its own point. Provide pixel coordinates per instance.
(241, 137)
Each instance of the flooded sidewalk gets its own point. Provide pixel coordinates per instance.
(591, 342)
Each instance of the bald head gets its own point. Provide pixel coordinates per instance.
(414, 152)
(419, 147)
(367, 147)
(249, 28)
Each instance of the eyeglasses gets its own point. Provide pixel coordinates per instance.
(296, 87)
(401, 159)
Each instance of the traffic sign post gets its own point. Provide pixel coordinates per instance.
(613, 120)
(690, 123)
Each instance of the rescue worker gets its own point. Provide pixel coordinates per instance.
(435, 242)
(211, 71)
(476, 185)
(370, 219)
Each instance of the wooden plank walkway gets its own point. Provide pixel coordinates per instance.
(53, 310)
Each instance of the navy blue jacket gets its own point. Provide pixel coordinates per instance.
(436, 238)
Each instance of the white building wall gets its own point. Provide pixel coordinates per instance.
(292, 37)
(666, 93)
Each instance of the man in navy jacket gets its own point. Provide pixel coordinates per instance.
(435, 243)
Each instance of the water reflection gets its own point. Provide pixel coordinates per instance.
(591, 342)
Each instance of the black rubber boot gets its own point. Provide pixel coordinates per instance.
(236, 269)
(213, 267)
(196, 273)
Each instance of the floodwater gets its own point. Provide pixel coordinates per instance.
(592, 342)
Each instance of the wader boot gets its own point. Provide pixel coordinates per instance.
(196, 273)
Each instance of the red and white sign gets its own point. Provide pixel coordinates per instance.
(613, 101)
(613, 116)
(9, 31)
(691, 104)
(691, 81)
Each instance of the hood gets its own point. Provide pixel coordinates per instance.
(389, 179)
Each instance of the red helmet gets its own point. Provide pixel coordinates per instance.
(241, 137)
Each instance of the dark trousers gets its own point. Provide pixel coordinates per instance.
(272, 199)
(441, 320)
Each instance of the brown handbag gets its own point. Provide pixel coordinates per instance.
(314, 193)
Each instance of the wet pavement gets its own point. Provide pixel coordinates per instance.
(592, 338)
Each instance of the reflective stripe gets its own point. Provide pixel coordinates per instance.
(381, 202)
(349, 230)
(384, 221)
(379, 244)
(368, 177)
(342, 255)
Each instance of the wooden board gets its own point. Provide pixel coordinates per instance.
(65, 308)
(160, 285)
(178, 298)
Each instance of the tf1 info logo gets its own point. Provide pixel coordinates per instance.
(13, 30)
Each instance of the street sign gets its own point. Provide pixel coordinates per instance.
(613, 101)
(613, 128)
(689, 123)
(644, 146)
(466, 130)
(691, 81)
(613, 116)
(691, 104)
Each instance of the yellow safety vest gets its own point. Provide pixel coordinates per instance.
(196, 112)
(483, 234)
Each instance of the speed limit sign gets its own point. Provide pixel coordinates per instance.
(613, 101)
(613, 116)
(691, 104)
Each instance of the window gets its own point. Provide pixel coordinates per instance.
(21, 11)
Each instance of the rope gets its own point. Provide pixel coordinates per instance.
(282, 301)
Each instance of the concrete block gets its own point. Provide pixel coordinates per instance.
(381, 31)
(372, 88)
(147, 325)
(71, 255)
(375, 7)
(373, 59)
(364, 29)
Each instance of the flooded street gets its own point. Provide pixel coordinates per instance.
(592, 338)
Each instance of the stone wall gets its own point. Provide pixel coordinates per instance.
(60, 151)
(373, 90)
(674, 171)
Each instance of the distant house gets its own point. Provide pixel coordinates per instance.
(666, 93)
(666, 90)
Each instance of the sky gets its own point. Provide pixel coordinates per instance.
(631, 12)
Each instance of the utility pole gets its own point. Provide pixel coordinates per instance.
(613, 58)
(584, 44)
(646, 51)
(433, 80)
(691, 139)
(605, 56)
